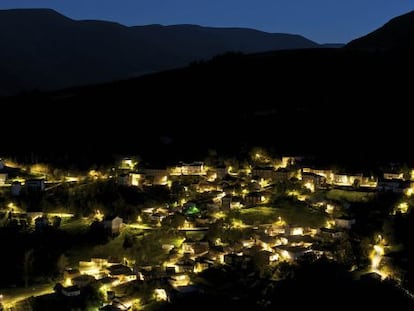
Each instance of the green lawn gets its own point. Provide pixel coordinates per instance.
(76, 226)
(349, 196)
(291, 214)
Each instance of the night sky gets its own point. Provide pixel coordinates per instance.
(319, 20)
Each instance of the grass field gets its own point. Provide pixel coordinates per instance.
(291, 214)
(349, 196)
(76, 226)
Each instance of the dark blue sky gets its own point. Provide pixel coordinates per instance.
(319, 20)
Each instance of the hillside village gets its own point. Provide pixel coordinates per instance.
(133, 235)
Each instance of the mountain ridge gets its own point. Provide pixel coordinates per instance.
(397, 33)
(46, 50)
(348, 103)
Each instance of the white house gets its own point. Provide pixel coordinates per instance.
(3, 178)
(345, 223)
(127, 163)
(347, 179)
(114, 224)
(390, 176)
(194, 168)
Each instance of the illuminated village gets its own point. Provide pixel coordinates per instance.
(133, 236)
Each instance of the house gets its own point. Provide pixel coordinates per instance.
(221, 171)
(287, 161)
(344, 222)
(216, 254)
(122, 272)
(331, 233)
(122, 303)
(300, 240)
(202, 264)
(211, 175)
(93, 267)
(226, 202)
(390, 176)
(282, 175)
(231, 202)
(109, 281)
(123, 179)
(70, 273)
(343, 179)
(253, 199)
(195, 168)
(237, 203)
(195, 248)
(236, 259)
(130, 179)
(293, 230)
(110, 308)
(369, 181)
(188, 169)
(71, 291)
(119, 269)
(317, 181)
(135, 179)
(392, 185)
(156, 176)
(263, 172)
(3, 178)
(185, 266)
(114, 224)
(179, 280)
(83, 280)
(34, 185)
(327, 173)
(127, 163)
(291, 252)
(206, 186)
(266, 257)
(275, 229)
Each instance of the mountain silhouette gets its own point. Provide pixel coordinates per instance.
(398, 33)
(341, 103)
(348, 103)
(44, 50)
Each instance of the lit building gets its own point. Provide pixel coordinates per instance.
(3, 178)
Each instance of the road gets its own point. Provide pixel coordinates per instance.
(13, 295)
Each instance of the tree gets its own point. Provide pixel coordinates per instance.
(56, 221)
(58, 288)
(356, 183)
(27, 266)
(62, 263)
(128, 241)
(174, 221)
